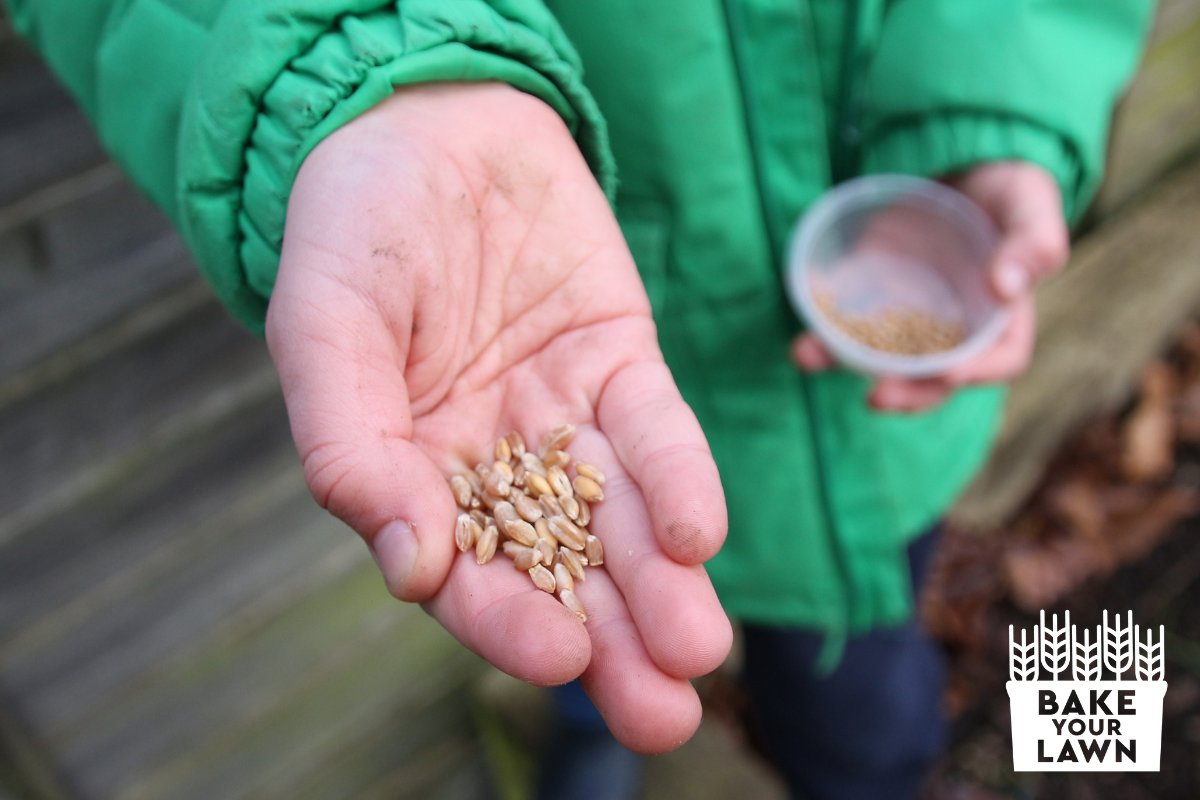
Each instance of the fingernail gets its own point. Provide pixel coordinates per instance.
(1012, 279)
(395, 551)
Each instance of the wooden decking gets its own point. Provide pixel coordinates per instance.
(177, 618)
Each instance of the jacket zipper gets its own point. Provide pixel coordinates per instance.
(847, 135)
(844, 158)
(837, 630)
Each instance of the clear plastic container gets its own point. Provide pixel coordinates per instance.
(885, 245)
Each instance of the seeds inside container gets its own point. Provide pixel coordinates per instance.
(903, 331)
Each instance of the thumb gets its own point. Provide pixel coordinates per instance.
(394, 497)
(1034, 241)
(350, 418)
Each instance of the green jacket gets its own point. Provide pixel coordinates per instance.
(725, 119)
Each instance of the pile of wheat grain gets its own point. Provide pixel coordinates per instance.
(903, 331)
(527, 505)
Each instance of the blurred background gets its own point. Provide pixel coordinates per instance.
(178, 619)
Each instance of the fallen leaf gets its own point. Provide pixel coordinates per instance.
(1078, 503)
(1183, 696)
(1187, 349)
(1132, 535)
(1038, 574)
(1187, 414)
(1147, 438)
(962, 584)
(1125, 499)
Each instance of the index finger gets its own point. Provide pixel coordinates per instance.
(658, 440)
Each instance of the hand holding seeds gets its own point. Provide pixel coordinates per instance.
(443, 284)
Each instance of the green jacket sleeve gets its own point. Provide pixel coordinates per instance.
(212, 105)
(953, 83)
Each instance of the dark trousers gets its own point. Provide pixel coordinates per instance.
(870, 730)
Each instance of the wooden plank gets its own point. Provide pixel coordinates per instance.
(209, 561)
(37, 777)
(1130, 285)
(171, 706)
(45, 137)
(90, 219)
(92, 554)
(56, 289)
(21, 251)
(380, 767)
(279, 706)
(42, 320)
(1158, 122)
(45, 144)
(405, 682)
(185, 670)
(74, 436)
(107, 649)
(53, 167)
(712, 764)
(57, 366)
(19, 214)
(27, 88)
(516, 718)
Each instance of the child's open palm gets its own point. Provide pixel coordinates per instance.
(450, 272)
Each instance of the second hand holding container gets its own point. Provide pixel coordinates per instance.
(890, 272)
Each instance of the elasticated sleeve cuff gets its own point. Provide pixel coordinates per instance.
(940, 144)
(275, 85)
(949, 84)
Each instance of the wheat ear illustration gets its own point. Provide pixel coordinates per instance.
(1023, 660)
(1085, 655)
(1056, 651)
(1150, 655)
(1118, 646)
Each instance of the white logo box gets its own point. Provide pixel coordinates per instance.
(1038, 744)
(1086, 703)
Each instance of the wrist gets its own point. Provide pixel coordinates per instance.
(470, 112)
(456, 119)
